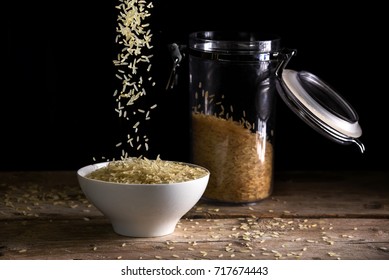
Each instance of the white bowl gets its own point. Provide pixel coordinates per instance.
(141, 210)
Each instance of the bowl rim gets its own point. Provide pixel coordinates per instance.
(102, 164)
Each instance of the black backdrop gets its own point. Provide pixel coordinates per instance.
(56, 100)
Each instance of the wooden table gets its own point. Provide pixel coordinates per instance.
(311, 215)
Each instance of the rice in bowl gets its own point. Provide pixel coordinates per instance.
(145, 171)
(141, 197)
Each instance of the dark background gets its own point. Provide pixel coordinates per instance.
(57, 80)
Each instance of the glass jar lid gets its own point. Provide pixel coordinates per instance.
(320, 106)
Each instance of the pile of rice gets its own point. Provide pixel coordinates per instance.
(145, 171)
(240, 161)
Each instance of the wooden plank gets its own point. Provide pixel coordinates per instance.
(315, 215)
(313, 194)
(240, 238)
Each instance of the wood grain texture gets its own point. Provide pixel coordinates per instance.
(315, 215)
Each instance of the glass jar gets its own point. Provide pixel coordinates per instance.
(232, 96)
(234, 78)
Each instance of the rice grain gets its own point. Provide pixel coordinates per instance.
(145, 171)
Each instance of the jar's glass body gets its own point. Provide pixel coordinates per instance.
(232, 96)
